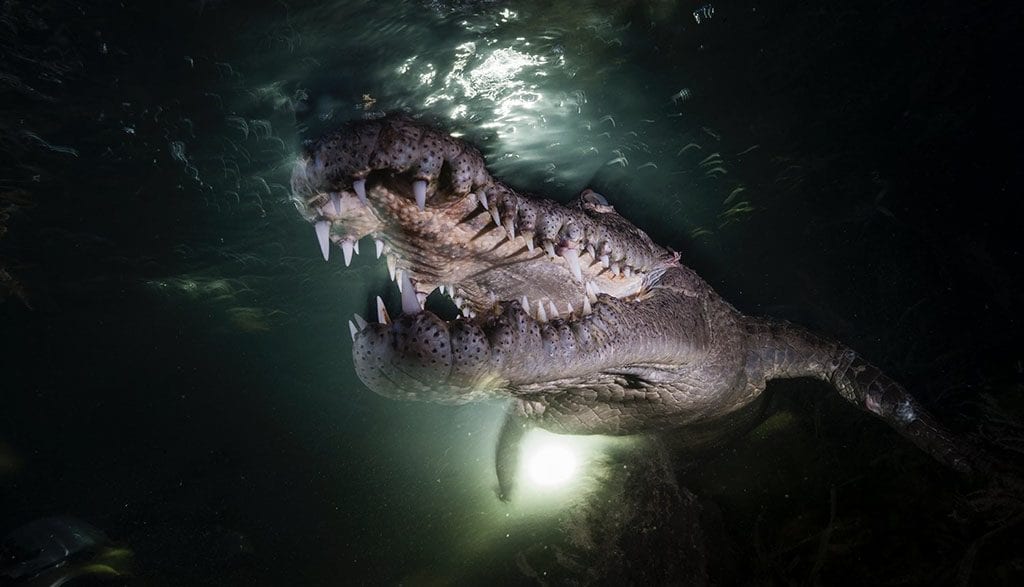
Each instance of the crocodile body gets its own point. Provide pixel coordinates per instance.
(569, 311)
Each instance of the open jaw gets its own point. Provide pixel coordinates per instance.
(543, 288)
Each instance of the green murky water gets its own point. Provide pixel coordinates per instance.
(176, 359)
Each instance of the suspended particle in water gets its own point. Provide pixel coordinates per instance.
(177, 149)
(682, 95)
(703, 13)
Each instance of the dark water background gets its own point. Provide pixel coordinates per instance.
(175, 358)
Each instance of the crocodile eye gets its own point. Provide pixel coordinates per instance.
(591, 197)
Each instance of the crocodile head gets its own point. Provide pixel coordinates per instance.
(568, 308)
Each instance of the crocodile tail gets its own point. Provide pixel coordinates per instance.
(780, 350)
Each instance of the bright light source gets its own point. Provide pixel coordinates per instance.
(550, 463)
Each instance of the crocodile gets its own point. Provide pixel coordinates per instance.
(569, 312)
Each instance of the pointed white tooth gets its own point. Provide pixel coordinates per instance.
(605, 261)
(472, 200)
(441, 288)
(510, 228)
(359, 186)
(346, 248)
(392, 264)
(382, 312)
(541, 315)
(356, 248)
(399, 274)
(586, 305)
(352, 330)
(482, 196)
(552, 310)
(591, 251)
(591, 292)
(380, 246)
(458, 301)
(410, 302)
(336, 201)
(526, 304)
(615, 269)
(495, 215)
(359, 321)
(323, 230)
(549, 248)
(421, 298)
(528, 237)
(572, 257)
(419, 188)
(568, 309)
(628, 271)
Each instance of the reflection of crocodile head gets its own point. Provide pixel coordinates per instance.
(570, 310)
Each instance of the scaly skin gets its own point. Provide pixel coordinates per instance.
(640, 342)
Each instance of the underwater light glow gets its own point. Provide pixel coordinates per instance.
(551, 463)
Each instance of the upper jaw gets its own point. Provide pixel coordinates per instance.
(430, 204)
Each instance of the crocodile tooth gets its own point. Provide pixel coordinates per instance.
(628, 271)
(410, 302)
(359, 321)
(347, 248)
(495, 215)
(382, 312)
(568, 309)
(615, 269)
(606, 261)
(352, 330)
(323, 229)
(591, 250)
(419, 188)
(549, 248)
(541, 316)
(458, 301)
(572, 257)
(336, 202)
(592, 292)
(552, 310)
(356, 247)
(359, 186)
(399, 274)
(482, 196)
(526, 304)
(528, 237)
(510, 228)
(392, 264)
(380, 246)
(441, 288)
(586, 305)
